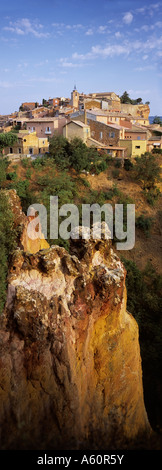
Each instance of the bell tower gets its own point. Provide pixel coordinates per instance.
(74, 98)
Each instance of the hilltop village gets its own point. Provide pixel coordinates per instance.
(101, 120)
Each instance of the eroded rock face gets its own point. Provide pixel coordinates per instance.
(70, 373)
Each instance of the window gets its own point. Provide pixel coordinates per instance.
(31, 151)
(19, 150)
(112, 134)
(101, 135)
(11, 150)
(48, 129)
(137, 147)
(138, 137)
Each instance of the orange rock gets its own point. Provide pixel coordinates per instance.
(71, 375)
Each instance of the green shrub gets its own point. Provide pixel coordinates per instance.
(158, 151)
(25, 162)
(118, 164)
(39, 162)
(28, 173)
(4, 163)
(148, 171)
(128, 165)
(116, 191)
(101, 166)
(144, 223)
(152, 195)
(144, 300)
(12, 176)
(7, 237)
(24, 192)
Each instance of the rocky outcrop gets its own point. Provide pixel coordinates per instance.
(70, 366)
(137, 110)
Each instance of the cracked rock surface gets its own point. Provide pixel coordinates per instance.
(70, 365)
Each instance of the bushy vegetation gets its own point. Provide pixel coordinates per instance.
(128, 165)
(144, 223)
(147, 171)
(76, 155)
(125, 98)
(7, 139)
(157, 151)
(7, 238)
(3, 167)
(152, 195)
(144, 291)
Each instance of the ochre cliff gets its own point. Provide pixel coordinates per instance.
(137, 110)
(70, 366)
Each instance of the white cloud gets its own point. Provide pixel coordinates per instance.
(89, 32)
(41, 63)
(25, 26)
(118, 35)
(64, 62)
(128, 18)
(102, 29)
(5, 84)
(145, 27)
(145, 68)
(110, 50)
(62, 27)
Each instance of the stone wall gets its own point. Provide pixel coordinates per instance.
(109, 136)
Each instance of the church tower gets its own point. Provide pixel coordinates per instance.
(74, 98)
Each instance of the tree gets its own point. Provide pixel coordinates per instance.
(59, 150)
(138, 100)
(44, 102)
(7, 139)
(125, 98)
(147, 170)
(147, 102)
(157, 120)
(81, 157)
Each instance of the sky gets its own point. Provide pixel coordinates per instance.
(48, 46)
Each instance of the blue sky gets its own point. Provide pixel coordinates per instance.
(100, 45)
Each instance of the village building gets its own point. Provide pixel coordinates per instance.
(134, 147)
(44, 127)
(154, 142)
(76, 129)
(53, 102)
(28, 144)
(97, 135)
(27, 106)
